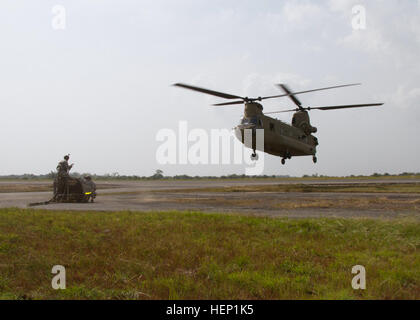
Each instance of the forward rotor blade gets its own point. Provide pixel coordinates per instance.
(346, 106)
(313, 90)
(207, 91)
(229, 103)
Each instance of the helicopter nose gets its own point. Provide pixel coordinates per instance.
(238, 133)
(246, 126)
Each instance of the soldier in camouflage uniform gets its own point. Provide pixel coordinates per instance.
(92, 187)
(63, 169)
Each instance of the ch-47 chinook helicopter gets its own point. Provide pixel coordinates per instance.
(280, 139)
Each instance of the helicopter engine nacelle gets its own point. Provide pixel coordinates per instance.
(301, 120)
(253, 109)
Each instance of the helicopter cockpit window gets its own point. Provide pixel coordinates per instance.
(252, 120)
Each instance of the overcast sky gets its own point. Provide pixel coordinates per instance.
(100, 89)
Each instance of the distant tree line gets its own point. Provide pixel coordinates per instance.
(374, 175)
(159, 175)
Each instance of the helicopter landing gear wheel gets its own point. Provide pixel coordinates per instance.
(314, 159)
(283, 161)
(254, 157)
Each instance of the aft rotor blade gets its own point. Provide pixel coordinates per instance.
(330, 108)
(313, 90)
(291, 110)
(291, 95)
(228, 103)
(207, 91)
(346, 106)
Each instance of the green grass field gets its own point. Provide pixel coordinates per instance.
(173, 255)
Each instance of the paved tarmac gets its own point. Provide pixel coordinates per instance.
(148, 196)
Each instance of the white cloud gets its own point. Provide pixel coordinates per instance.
(404, 97)
(301, 13)
(116, 76)
(391, 43)
(370, 40)
(342, 5)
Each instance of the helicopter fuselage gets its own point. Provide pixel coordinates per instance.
(280, 139)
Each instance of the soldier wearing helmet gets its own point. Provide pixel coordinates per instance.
(63, 169)
(91, 186)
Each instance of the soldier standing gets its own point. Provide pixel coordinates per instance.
(63, 169)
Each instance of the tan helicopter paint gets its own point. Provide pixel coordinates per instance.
(280, 138)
